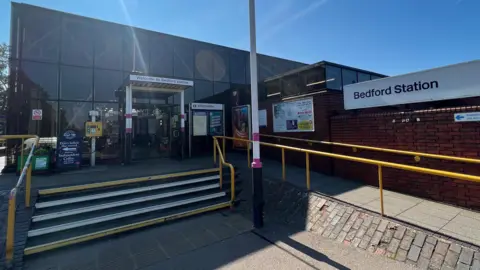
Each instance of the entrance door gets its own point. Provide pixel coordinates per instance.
(151, 131)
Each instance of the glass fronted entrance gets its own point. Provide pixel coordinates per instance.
(149, 126)
(155, 130)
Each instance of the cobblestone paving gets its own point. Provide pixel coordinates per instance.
(362, 229)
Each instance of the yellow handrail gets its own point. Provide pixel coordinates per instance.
(378, 149)
(12, 199)
(221, 164)
(378, 163)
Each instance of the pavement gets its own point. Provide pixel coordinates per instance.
(214, 241)
(451, 221)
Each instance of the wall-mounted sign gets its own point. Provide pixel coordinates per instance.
(207, 106)
(94, 129)
(262, 118)
(241, 125)
(199, 123)
(449, 82)
(294, 116)
(69, 147)
(142, 78)
(467, 117)
(37, 114)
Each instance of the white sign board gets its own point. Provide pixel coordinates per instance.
(449, 82)
(199, 124)
(294, 116)
(207, 106)
(467, 117)
(262, 118)
(37, 114)
(142, 78)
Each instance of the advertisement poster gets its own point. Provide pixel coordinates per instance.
(294, 116)
(69, 150)
(241, 125)
(199, 123)
(262, 118)
(216, 125)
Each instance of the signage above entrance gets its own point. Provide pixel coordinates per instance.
(449, 82)
(207, 106)
(142, 78)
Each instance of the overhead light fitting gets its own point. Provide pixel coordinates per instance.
(305, 95)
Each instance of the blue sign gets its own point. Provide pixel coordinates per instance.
(467, 117)
(69, 150)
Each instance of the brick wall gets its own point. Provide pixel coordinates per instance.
(431, 131)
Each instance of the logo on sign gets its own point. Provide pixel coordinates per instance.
(69, 134)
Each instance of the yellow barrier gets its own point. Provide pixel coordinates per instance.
(12, 199)
(378, 163)
(355, 147)
(221, 163)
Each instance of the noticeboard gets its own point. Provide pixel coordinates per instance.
(69, 150)
(294, 116)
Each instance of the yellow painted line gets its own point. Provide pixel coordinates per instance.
(104, 233)
(123, 182)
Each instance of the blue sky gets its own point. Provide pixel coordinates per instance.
(386, 36)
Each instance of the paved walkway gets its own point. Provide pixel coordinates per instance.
(440, 218)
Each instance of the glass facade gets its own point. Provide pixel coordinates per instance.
(315, 78)
(67, 65)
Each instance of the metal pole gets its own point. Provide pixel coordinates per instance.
(182, 122)
(256, 164)
(92, 154)
(128, 124)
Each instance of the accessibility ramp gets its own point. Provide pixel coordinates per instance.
(68, 215)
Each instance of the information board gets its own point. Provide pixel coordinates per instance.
(294, 116)
(216, 125)
(69, 150)
(199, 123)
(241, 125)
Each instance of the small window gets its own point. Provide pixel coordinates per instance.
(363, 77)
(334, 78)
(349, 76)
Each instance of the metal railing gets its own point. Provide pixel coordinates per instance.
(221, 155)
(380, 165)
(355, 147)
(25, 176)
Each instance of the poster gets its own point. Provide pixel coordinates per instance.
(69, 147)
(216, 125)
(294, 116)
(199, 123)
(241, 125)
(262, 118)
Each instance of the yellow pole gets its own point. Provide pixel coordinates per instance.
(283, 164)
(248, 155)
(223, 145)
(232, 184)
(307, 162)
(220, 166)
(380, 187)
(214, 151)
(10, 226)
(28, 185)
(21, 155)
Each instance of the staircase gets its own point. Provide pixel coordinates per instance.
(75, 214)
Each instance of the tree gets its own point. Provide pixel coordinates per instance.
(4, 59)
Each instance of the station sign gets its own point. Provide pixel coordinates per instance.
(467, 117)
(449, 82)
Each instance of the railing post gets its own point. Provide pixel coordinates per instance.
(10, 226)
(283, 164)
(28, 184)
(214, 151)
(223, 149)
(21, 155)
(380, 187)
(232, 184)
(248, 155)
(307, 163)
